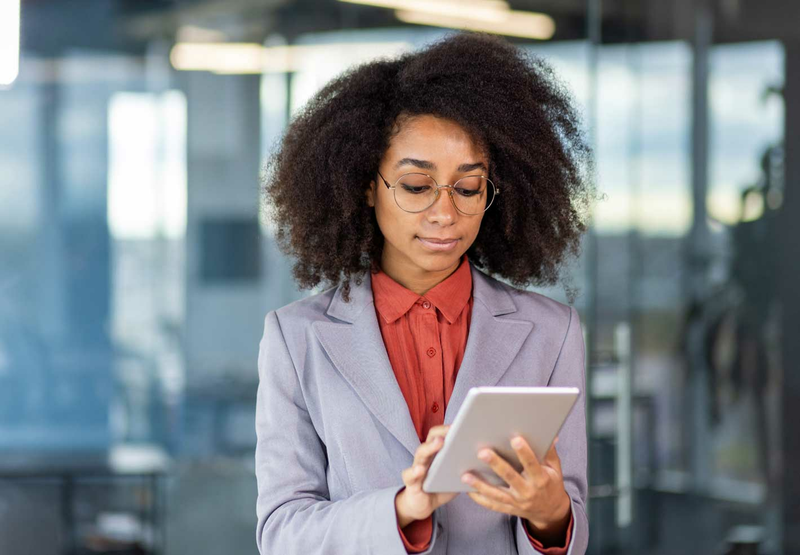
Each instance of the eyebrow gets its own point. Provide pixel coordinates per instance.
(426, 165)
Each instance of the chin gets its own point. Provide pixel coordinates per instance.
(434, 261)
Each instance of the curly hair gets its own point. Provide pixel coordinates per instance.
(509, 101)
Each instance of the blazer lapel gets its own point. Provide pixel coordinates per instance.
(357, 350)
(492, 342)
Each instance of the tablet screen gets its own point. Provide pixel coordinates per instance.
(490, 417)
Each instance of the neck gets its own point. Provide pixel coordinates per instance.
(414, 278)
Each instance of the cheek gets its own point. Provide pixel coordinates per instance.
(476, 227)
(393, 225)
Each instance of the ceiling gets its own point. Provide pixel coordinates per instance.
(52, 26)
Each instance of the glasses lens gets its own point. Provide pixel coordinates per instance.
(473, 194)
(415, 192)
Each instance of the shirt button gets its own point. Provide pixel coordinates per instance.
(435, 407)
(431, 352)
(426, 304)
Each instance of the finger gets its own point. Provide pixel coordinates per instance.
(499, 494)
(437, 431)
(413, 473)
(504, 470)
(427, 450)
(413, 476)
(429, 447)
(551, 459)
(408, 476)
(493, 505)
(525, 454)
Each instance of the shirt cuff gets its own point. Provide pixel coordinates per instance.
(550, 550)
(417, 534)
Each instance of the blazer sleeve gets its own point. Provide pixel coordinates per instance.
(295, 515)
(569, 371)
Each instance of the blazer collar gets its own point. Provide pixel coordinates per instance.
(486, 289)
(449, 296)
(355, 347)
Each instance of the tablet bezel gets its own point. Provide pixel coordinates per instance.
(538, 423)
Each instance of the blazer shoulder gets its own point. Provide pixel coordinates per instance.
(303, 312)
(538, 307)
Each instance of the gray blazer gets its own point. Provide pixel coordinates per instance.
(334, 432)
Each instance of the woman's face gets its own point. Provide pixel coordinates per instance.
(442, 149)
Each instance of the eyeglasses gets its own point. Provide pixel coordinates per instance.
(416, 192)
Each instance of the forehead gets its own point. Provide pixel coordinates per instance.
(428, 136)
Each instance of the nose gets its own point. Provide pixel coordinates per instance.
(443, 210)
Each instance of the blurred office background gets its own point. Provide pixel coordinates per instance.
(135, 269)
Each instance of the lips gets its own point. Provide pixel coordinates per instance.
(436, 240)
(437, 244)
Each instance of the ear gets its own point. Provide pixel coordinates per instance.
(370, 194)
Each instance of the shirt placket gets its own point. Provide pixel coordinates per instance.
(431, 359)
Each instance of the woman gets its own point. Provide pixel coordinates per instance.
(408, 175)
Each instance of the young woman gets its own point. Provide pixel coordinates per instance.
(417, 177)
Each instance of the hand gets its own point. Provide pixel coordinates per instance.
(412, 503)
(537, 495)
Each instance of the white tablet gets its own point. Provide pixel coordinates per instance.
(490, 417)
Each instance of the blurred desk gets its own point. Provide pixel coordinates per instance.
(144, 464)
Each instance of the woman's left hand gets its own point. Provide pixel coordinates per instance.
(537, 494)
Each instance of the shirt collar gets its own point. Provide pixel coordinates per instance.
(392, 300)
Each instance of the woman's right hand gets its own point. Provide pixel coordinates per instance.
(412, 503)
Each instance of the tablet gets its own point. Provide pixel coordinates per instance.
(490, 417)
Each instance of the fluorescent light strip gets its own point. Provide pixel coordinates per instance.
(515, 23)
(483, 10)
(251, 58)
(193, 33)
(422, 4)
(9, 41)
(211, 56)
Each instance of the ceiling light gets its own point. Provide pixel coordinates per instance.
(193, 33)
(490, 16)
(245, 58)
(514, 23)
(487, 10)
(212, 56)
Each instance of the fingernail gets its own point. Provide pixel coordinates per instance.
(467, 478)
(516, 442)
(484, 455)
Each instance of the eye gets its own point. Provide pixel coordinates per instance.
(471, 186)
(416, 184)
(467, 192)
(416, 190)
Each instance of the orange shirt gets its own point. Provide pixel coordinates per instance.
(425, 338)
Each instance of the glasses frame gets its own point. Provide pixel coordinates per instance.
(436, 193)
